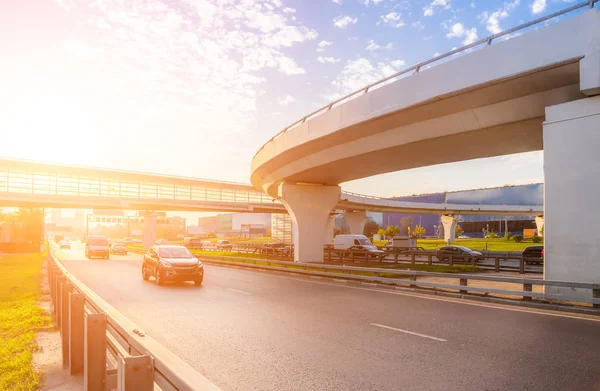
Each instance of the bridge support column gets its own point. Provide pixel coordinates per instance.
(571, 188)
(356, 220)
(449, 223)
(329, 229)
(309, 207)
(149, 230)
(539, 224)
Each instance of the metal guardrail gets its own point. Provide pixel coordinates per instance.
(380, 275)
(416, 68)
(109, 349)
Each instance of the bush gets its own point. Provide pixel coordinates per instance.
(537, 239)
(508, 236)
(518, 238)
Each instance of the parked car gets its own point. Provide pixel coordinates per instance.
(97, 246)
(64, 244)
(224, 245)
(172, 263)
(118, 249)
(193, 243)
(138, 241)
(356, 243)
(128, 240)
(533, 255)
(464, 237)
(277, 248)
(459, 253)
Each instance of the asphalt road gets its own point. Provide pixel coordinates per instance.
(247, 330)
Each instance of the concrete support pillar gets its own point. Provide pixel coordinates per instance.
(572, 185)
(149, 230)
(539, 224)
(309, 207)
(449, 223)
(329, 229)
(356, 221)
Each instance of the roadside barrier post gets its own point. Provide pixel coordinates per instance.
(463, 282)
(65, 290)
(76, 329)
(429, 259)
(521, 266)
(59, 279)
(497, 265)
(136, 373)
(451, 261)
(596, 295)
(94, 351)
(527, 288)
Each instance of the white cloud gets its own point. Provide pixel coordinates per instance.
(492, 20)
(429, 9)
(538, 6)
(289, 35)
(286, 100)
(337, 1)
(373, 46)
(457, 30)
(472, 4)
(358, 74)
(418, 25)
(329, 60)
(344, 21)
(375, 2)
(288, 10)
(393, 19)
(398, 63)
(324, 44)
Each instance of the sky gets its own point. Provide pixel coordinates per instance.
(195, 87)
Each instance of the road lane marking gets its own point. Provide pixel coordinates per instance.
(238, 291)
(408, 332)
(424, 296)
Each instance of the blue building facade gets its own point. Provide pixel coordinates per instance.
(472, 225)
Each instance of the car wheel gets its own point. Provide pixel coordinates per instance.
(158, 276)
(145, 274)
(198, 281)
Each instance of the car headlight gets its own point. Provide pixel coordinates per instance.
(199, 264)
(166, 264)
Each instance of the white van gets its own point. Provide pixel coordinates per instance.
(355, 242)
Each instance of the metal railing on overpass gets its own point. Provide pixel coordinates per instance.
(416, 68)
(109, 349)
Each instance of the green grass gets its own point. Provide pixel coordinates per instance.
(20, 319)
(499, 244)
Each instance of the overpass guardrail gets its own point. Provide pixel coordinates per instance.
(109, 349)
(410, 278)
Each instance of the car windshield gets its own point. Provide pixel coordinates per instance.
(119, 246)
(465, 249)
(174, 252)
(98, 242)
(365, 242)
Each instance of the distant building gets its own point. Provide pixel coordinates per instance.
(231, 225)
(473, 225)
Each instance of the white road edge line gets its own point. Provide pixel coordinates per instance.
(504, 307)
(239, 291)
(409, 332)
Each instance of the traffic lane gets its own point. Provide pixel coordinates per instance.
(250, 326)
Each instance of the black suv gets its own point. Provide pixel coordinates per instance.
(533, 255)
(170, 262)
(459, 253)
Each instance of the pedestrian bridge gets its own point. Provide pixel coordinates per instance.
(26, 183)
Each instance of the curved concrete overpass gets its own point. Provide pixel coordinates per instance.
(486, 103)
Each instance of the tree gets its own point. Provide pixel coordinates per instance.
(371, 226)
(419, 231)
(405, 224)
(458, 230)
(381, 232)
(31, 220)
(211, 235)
(392, 231)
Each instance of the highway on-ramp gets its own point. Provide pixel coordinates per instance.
(248, 330)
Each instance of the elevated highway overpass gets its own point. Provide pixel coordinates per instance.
(530, 92)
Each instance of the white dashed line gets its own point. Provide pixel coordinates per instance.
(409, 332)
(238, 291)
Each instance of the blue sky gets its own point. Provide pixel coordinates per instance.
(195, 87)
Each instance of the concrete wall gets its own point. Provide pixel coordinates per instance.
(572, 177)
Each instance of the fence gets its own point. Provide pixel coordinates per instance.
(410, 278)
(110, 350)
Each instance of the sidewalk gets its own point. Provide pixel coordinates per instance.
(47, 360)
